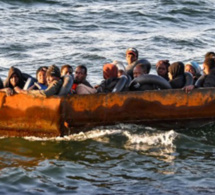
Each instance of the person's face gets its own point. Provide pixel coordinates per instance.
(50, 79)
(205, 69)
(138, 71)
(14, 80)
(130, 58)
(41, 77)
(80, 75)
(190, 69)
(66, 71)
(162, 70)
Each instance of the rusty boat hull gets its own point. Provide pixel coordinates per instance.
(23, 115)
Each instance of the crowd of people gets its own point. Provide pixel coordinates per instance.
(54, 81)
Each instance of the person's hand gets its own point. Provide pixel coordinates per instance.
(188, 88)
(17, 89)
(9, 91)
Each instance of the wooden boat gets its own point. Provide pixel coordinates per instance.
(24, 115)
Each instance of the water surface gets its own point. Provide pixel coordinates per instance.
(122, 159)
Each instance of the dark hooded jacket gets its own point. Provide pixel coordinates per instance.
(1, 84)
(209, 80)
(107, 85)
(178, 78)
(16, 71)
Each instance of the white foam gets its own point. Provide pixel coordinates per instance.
(163, 138)
(94, 134)
(155, 138)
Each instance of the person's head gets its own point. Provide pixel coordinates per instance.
(110, 71)
(175, 69)
(193, 68)
(41, 74)
(162, 68)
(80, 74)
(66, 70)
(210, 54)
(131, 55)
(208, 65)
(146, 64)
(120, 66)
(139, 69)
(14, 78)
(53, 73)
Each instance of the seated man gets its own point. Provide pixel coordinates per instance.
(80, 77)
(131, 58)
(54, 84)
(139, 70)
(142, 67)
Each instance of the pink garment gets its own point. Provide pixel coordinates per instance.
(83, 89)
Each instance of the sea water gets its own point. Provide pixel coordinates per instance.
(121, 159)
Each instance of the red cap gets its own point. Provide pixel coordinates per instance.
(132, 51)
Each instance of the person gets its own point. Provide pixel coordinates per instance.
(39, 82)
(66, 70)
(14, 79)
(176, 75)
(54, 84)
(193, 68)
(7, 90)
(41, 77)
(139, 69)
(110, 75)
(162, 68)
(131, 58)
(209, 71)
(120, 66)
(80, 77)
(210, 54)
(146, 64)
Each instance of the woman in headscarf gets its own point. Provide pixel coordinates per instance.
(110, 74)
(14, 79)
(176, 75)
(193, 68)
